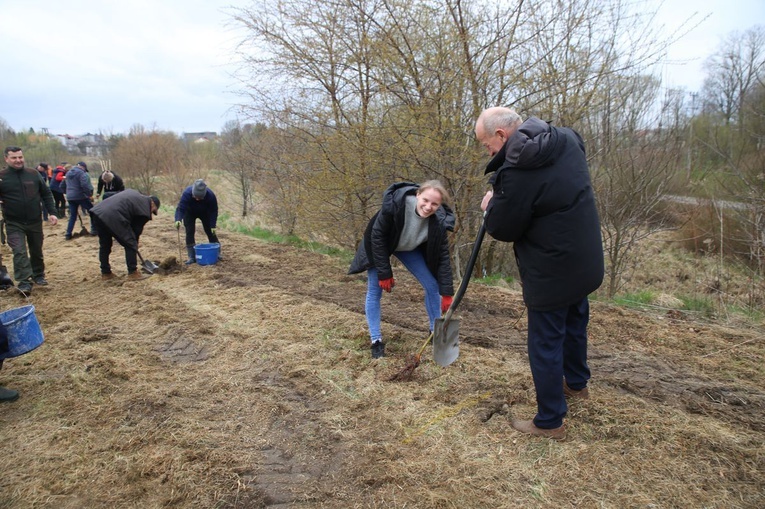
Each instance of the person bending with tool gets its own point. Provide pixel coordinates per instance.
(122, 217)
(197, 202)
(411, 225)
(23, 192)
(542, 201)
(109, 183)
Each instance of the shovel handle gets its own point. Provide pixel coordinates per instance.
(468, 273)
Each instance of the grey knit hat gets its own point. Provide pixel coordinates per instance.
(199, 189)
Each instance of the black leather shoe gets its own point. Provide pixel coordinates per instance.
(40, 280)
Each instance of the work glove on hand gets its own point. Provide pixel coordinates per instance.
(177, 225)
(446, 303)
(212, 230)
(387, 284)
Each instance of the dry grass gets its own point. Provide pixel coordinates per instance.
(249, 384)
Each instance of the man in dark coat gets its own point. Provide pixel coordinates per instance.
(122, 217)
(23, 194)
(109, 183)
(542, 201)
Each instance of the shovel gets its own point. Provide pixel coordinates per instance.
(147, 265)
(83, 230)
(446, 347)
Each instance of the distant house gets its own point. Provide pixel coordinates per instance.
(201, 137)
(94, 145)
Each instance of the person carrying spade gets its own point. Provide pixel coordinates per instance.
(412, 226)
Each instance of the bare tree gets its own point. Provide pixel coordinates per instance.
(239, 152)
(733, 71)
(634, 167)
(144, 156)
(372, 91)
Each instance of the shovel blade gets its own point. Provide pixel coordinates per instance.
(150, 267)
(446, 341)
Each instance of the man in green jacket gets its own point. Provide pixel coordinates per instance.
(22, 192)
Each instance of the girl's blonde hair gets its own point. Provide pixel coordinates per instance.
(438, 186)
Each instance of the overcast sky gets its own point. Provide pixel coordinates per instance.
(78, 66)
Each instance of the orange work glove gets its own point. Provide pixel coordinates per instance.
(446, 302)
(387, 284)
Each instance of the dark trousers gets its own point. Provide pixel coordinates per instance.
(190, 225)
(105, 243)
(85, 205)
(59, 198)
(557, 345)
(26, 265)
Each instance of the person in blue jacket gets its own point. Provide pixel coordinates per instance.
(197, 202)
(79, 194)
(543, 202)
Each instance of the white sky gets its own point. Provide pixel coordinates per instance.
(77, 66)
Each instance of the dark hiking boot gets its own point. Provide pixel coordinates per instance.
(41, 281)
(107, 276)
(25, 287)
(8, 395)
(378, 349)
(530, 428)
(67, 237)
(574, 393)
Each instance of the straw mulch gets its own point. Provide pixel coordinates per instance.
(250, 384)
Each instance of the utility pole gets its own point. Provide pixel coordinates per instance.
(694, 95)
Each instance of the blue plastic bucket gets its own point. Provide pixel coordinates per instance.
(207, 254)
(24, 333)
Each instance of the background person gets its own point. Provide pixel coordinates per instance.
(44, 170)
(108, 184)
(22, 191)
(542, 201)
(79, 194)
(122, 217)
(411, 225)
(197, 202)
(56, 182)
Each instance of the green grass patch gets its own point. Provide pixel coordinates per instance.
(642, 298)
(293, 240)
(702, 305)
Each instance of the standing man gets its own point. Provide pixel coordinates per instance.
(79, 194)
(542, 201)
(122, 217)
(22, 192)
(197, 202)
(109, 183)
(44, 171)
